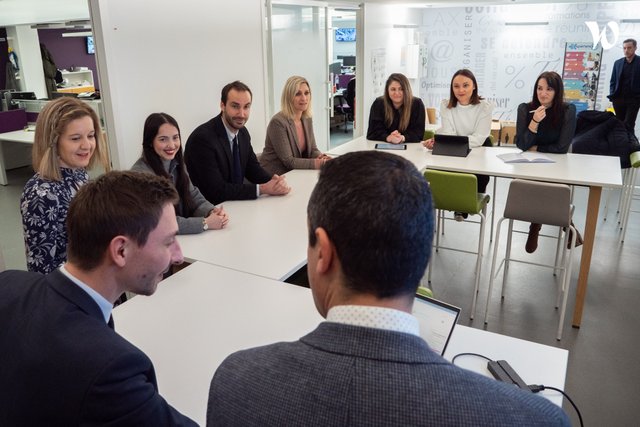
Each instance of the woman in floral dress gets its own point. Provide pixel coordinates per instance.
(68, 140)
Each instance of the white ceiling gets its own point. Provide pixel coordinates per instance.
(15, 12)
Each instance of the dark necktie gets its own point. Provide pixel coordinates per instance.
(110, 322)
(238, 176)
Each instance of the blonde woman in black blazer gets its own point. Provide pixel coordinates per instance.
(290, 143)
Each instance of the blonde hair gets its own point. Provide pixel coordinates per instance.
(407, 100)
(51, 124)
(289, 92)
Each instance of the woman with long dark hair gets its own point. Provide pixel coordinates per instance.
(545, 124)
(397, 116)
(162, 155)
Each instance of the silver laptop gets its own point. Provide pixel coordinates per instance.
(437, 320)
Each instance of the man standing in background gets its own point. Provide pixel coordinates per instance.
(625, 85)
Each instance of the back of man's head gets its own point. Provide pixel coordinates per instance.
(377, 210)
(118, 203)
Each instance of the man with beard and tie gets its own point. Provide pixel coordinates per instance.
(219, 156)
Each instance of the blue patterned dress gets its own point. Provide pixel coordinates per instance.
(44, 205)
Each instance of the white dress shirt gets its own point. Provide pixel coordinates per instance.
(374, 317)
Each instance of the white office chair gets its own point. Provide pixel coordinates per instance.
(541, 203)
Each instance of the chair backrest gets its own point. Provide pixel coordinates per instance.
(350, 94)
(428, 134)
(539, 202)
(635, 159)
(453, 191)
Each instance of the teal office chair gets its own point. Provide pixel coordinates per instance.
(628, 192)
(457, 192)
(541, 203)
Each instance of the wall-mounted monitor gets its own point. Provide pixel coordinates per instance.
(91, 49)
(345, 34)
(349, 61)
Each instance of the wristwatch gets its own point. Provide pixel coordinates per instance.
(205, 226)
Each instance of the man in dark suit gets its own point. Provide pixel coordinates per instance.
(61, 361)
(219, 155)
(370, 232)
(624, 91)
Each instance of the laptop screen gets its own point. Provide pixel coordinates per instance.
(437, 320)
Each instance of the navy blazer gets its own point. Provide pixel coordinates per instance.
(342, 375)
(617, 72)
(210, 163)
(61, 365)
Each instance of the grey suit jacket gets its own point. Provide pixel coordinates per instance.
(342, 375)
(281, 152)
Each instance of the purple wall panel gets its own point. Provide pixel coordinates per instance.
(69, 52)
(12, 120)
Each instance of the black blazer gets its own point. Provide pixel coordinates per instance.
(210, 163)
(616, 73)
(61, 365)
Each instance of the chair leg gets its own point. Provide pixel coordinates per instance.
(623, 197)
(623, 191)
(439, 221)
(430, 267)
(507, 257)
(478, 262)
(606, 203)
(558, 243)
(563, 267)
(627, 207)
(566, 282)
(496, 243)
(493, 207)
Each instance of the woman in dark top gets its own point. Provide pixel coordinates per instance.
(397, 116)
(545, 124)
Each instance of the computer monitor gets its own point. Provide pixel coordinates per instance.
(349, 61)
(56, 95)
(23, 95)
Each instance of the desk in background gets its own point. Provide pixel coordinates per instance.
(203, 313)
(19, 136)
(584, 170)
(267, 236)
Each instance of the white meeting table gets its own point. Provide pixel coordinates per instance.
(585, 170)
(266, 236)
(203, 313)
(20, 136)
